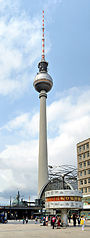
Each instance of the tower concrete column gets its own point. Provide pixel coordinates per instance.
(42, 160)
(42, 84)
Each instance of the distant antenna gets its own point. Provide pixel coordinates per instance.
(43, 40)
(43, 64)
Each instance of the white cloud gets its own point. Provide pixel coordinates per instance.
(18, 165)
(20, 39)
(66, 114)
(9, 7)
(25, 124)
(69, 119)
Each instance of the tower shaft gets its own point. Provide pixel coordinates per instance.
(42, 160)
(42, 84)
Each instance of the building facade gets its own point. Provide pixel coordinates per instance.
(83, 164)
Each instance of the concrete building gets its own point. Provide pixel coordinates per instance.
(83, 164)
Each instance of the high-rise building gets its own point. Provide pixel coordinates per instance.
(43, 84)
(83, 164)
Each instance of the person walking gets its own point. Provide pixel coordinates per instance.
(26, 220)
(74, 219)
(82, 223)
(53, 221)
(35, 220)
(23, 220)
(69, 218)
(46, 220)
(58, 222)
(78, 218)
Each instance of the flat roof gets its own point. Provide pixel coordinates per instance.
(83, 141)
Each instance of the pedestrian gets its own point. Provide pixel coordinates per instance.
(26, 220)
(53, 221)
(35, 220)
(23, 220)
(69, 218)
(82, 222)
(78, 218)
(46, 220)
(74, 219)
(58, 222)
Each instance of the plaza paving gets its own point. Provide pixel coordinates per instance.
(18, 230)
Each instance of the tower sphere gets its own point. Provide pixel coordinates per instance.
(43, 80)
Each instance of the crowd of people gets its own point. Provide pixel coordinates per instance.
(25, 220)
(80, 220)
(56, 221)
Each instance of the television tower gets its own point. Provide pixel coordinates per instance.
(43, 84)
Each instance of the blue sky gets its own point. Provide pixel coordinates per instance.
(67, 47)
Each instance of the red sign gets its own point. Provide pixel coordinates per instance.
(63, 198)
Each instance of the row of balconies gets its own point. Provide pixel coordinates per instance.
(84, 165)
(85, 190)
(85, 155)
(83, 148)
(82, 175)
(85, 182)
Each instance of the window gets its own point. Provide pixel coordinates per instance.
(87, 145)
(81, 173)
(85, 190)
(85, 181)
(80, 156)
(89, 189)
(81, 182)
(88, 171)
(88, 154)
(82, 190)
(88, 162)
(80, 165)
(83, 155)
(80, 149)
(84, 163)
(88, 180)
(84, 172)
(83, 147)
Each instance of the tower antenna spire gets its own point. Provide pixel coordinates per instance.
(43, 39)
